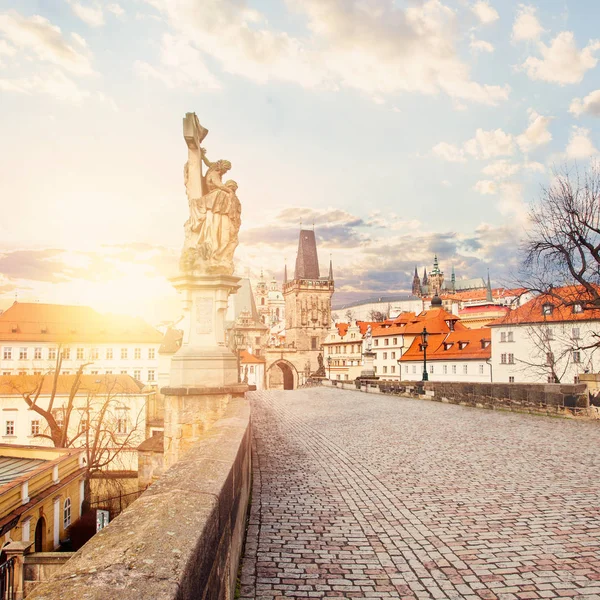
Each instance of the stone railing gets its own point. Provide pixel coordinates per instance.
(550, 398)
(41, 566)
(182, 539)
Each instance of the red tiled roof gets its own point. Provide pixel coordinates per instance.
(531, 312)
(25, 321)
(435, 320)
(362, 326)
(481, 294)
(11, 385)
(247, 358)
(470, 339)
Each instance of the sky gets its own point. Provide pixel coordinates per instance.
(398, 129)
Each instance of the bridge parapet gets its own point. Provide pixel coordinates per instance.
(182, 539)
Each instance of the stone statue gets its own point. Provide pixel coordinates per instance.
(211, 232)
(320, 372)
(368, 339)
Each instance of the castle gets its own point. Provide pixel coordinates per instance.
(433, 283)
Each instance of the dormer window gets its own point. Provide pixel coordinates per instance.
(485, 343)
(462, 345)
(447, 345)
(577, 308)
(547, 309)
(450, 324)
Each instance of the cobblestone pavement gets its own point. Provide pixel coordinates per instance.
(367, 496)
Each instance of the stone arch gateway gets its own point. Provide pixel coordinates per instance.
(282, 375)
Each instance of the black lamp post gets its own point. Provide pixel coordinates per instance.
(329, 365)
(424, 336)
(239, 342)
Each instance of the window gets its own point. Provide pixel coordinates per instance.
(509, 336)
(314, 343)
(37, 354)
(375, 368)
(385, 369)
(137, 353)
(137, 374)
(511, 380)
(445, 369)
(386, 342)
(503, 336)
(109, 353)
(35, 427)
(393, 355)
(109, 372)
(122, 421)
(481, 369)
(59, 417)
(94, 372)
(547, 309)
(344, 349)
(65, 372)
(10, 428)
(453, 369)
(549, 334)
(511, 359)
(576, 356)
(431, 369)
(406, 369)
(124, 353)
(385, 356)
(150, 374)
(251, 369)
(66, 353)
(51, 353)
(577, 308)
(7, 354)
(575, 333)
(83, 425)
(465, 369)
(393, 369)
(79, 353)
(37, 372)
(395, 341)
(6, 373)
(152, 351)
(376, 343)
(503, 359)
(67, 513)
(124, 372)
(414, 368)
(23, 354)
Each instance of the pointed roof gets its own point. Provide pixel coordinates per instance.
(285, 273)
(424, 280)
(436, 268)
(307, 261)
(330, 269)
(488, 292)
(243, 299)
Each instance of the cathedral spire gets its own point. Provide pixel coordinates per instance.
(488, 294)
(453, 280)
(424, 280)
(285, 273)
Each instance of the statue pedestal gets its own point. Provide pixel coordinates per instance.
(204, 360)
(368, 371)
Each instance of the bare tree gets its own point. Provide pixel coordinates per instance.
(377, 316)
(95, 418)
(563, 240)
(349, 315)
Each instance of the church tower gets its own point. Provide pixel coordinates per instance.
(416, 285)
(436, 278)
(307, 298)
(260, 293)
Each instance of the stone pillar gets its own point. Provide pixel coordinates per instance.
(190, 413)
(369, 370)
(17, 550)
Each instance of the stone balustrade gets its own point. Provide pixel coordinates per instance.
(182, 539)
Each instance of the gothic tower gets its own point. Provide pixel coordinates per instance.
(416, 285)
(436, 278)
(307, 298)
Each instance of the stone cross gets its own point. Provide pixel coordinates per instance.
(193, 134)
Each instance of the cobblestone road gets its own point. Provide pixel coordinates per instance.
(364, 496)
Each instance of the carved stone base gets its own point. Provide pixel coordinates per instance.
(204, 360)
(369, 370)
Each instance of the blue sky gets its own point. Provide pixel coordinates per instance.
(400, 128)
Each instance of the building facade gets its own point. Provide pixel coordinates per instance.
(36, 338)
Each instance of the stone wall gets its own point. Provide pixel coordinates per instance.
(41, 566)
(182, 539)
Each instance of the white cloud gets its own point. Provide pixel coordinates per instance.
(484, 12)
(511, 202)
(375, 48)
(489, 144)
(91, 14)
(536, 134)
(486, 187)
(181, 65)
(480, 45)
(561, 61)
(526, 25)
(590, 105)
(580, 145)
(6, 49)
(449, 152)
(38, 36)
(116, 9)
(53, 83)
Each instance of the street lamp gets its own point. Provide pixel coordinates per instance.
(424, 336)
(239, 342)
(329, 365)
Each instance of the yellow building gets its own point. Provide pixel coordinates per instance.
(41, 491)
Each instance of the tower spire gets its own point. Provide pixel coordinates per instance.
(488, 294)
(285, 272)
(330, 268)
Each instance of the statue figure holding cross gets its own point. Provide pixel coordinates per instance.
(211, 232)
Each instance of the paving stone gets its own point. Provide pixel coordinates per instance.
(368, 496)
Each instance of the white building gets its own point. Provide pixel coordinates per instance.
(252, 369)
(342, 351)
(459, 355)
(545, 342)
(33, 337)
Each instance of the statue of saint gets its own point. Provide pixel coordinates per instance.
(211, 232)
(368, 339)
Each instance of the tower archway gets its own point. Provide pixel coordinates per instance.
(282, 375)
